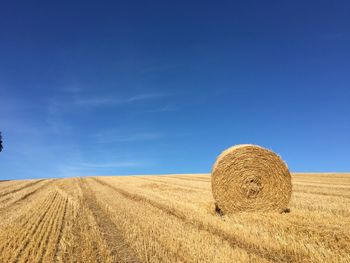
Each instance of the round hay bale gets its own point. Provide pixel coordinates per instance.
(250, 178)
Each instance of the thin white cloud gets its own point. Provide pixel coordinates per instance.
(73, 89)
(143, 97)
(84, 168)
(120, 164)
(167, 108)
(116, 136)
(107, 100)
(110, 100)
(96, 101)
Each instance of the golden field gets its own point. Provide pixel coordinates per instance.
(168, 219)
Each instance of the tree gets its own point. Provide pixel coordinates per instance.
(0, 142)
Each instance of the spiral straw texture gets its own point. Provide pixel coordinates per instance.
(250, 178)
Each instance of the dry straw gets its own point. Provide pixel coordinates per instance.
(250, 178)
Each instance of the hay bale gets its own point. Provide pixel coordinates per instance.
(250, 178)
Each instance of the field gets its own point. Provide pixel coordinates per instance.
(168, 219)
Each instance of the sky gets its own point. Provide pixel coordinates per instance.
(160, 87)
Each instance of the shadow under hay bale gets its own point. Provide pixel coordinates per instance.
(250, 178)
(285, 211)
(218, 210)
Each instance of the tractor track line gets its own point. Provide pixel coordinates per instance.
(61, 229)
(193, 188)
(183, 178)
(21, 188)
(113, 237)
(24, 221)
(32, 230)
(24, 197)
(36, 245)
(53, 225)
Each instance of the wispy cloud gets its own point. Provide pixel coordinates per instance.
(73, 89)
(102, 101)
(338, 35)
(78, 99)
(143, 97)
(166, 108)
(83, 168)
(159, 66)
(112, 100)
(120, 164)
(115, 136)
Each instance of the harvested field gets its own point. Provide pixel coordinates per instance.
(168, 219)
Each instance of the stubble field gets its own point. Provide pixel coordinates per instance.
(168, 219)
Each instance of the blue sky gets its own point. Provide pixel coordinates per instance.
(155, 87)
